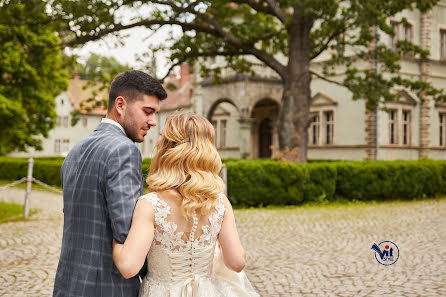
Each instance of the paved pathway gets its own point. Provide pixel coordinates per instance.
(308, 251)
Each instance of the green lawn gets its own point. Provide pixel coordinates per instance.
(12, 212)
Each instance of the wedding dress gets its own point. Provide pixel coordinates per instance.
(181, 260)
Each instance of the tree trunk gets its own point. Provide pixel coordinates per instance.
(296, 99)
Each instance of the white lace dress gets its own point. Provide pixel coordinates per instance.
(185, 268)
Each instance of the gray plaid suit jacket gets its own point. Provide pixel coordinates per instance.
(101, 181)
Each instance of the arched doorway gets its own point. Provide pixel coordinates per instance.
(264, 135)
(265, 138)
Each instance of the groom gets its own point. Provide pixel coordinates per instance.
(101, 180)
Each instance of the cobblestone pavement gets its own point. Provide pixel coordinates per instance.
(307, 251)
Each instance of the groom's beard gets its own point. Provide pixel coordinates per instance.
(131, 128)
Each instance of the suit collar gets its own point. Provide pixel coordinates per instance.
(110, 128)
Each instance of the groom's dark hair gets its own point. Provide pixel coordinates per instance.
(132, 84)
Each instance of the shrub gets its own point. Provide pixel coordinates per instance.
(252, 183)
(320, 182)
(381, 180)
(47, 171)
(268, 182)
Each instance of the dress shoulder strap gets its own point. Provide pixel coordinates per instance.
(161, 208)
(156, 202)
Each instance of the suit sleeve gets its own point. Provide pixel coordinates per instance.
(123, 186)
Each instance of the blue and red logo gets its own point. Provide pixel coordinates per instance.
(386, 252)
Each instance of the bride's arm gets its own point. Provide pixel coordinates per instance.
(233, 252)
(130, 256)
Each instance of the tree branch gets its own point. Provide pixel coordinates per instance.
(232, 39)
(257, 6)
(325, 45)
(279, 13)
(330, 80)
(210, 26)
(146, 23)
(204, 54)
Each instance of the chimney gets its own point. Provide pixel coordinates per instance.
(184, 74)
(172, 77)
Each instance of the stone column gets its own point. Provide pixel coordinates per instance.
(245, 137)
(425, 69)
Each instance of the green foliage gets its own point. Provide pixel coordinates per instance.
(101, 68)
(45, 170)
(31, 74)
(320, 183)
(252, 183)
(268, 182)
(145, 169)
(284, 35)
(99, 71)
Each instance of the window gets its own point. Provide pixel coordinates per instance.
(328, 116)
(406, 127)
(393, 126)
(321, 129)
(220, 127)
(223, 133)
(65, 121)
(57, 146)
(59, 121)
(407, 32)
(66, 145)
(443, 45)
(442, 129)
(84, 121)
(394, 38)
(314, 129)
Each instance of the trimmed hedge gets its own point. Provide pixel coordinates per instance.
(45, 170)
(277, 183)
(270, 182)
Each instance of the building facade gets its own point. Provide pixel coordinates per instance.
(244, 109)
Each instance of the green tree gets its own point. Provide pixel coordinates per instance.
(99, 71)
(101, 68)
(285, 35)
(31, 73)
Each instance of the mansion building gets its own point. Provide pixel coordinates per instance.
(244, 109)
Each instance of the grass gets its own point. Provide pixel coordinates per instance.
(23, 185)
(341, 203)
(11, 212)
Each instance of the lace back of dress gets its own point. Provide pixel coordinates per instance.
(173, 232)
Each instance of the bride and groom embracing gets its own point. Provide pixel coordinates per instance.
(180, 238)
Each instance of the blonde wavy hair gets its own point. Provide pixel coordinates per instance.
(187, 161)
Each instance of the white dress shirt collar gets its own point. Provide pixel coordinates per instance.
(110, 121)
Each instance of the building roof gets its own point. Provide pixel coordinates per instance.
(181, 95)
(81, 90)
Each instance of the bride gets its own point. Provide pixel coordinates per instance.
(185, 226)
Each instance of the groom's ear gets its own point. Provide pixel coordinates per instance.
(120, 105)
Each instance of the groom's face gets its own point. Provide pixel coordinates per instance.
(140, 116)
